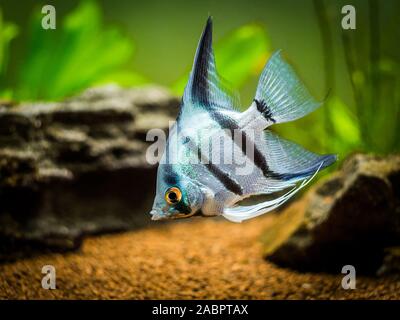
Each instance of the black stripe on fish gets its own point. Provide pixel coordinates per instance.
(259, 160)
(222, 176)
(263, 108)
(200, 86)
(182, 207)
(170, 177)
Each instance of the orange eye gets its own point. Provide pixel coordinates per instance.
(173, 195)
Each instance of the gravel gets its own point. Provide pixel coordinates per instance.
(196, 259)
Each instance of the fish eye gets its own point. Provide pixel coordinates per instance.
(173, 195)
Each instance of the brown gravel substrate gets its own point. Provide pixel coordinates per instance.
(201, 259)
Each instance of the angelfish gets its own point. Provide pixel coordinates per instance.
(211, 188)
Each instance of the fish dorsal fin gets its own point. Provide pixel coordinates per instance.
(205, 88)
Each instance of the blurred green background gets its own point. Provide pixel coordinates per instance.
(139, 42)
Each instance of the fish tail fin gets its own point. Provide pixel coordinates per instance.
(280, 96)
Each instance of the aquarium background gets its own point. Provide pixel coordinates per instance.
(355, 72)
(76, 187)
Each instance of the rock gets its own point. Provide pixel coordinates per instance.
(347, 219)
(391, 262)
(78, 167)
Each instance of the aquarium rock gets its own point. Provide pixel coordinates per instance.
(351, 218)
(77, 167)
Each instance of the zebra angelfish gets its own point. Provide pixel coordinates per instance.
(192, 178)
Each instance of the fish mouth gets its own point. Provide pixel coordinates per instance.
(156, 215)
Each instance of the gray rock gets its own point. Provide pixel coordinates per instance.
(391, 262)
(77, 167)
(348, 219)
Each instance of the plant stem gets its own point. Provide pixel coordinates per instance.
(349, 53)
(329, 62)
(374, 58)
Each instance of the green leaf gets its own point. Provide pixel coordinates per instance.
(344, 122)
(312, 134)
(242, 54)
(238, 56)
(8, 31)
(80, 53)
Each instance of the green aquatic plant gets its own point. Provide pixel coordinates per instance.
(375, 80)
(8, 31)
(372, 124)
(83, 53)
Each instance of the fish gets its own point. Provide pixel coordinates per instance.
(216, 156)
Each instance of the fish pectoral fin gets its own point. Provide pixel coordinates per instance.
(241, 213)
(280, 97)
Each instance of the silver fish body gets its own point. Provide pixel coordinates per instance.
(216, 156)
